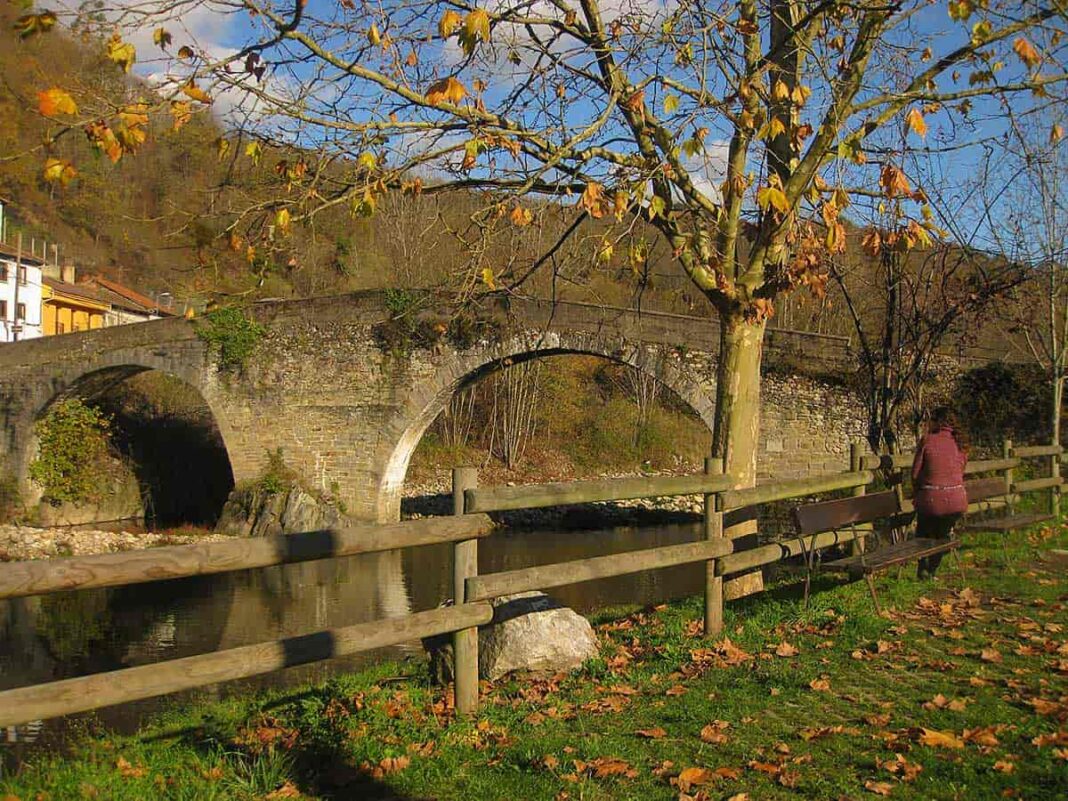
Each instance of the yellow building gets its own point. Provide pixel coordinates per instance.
(68, 307)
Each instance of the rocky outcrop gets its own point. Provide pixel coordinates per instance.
(259, 512)
(530, 631)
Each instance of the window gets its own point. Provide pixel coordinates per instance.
(60, 328)
(20, 311)
(3, 309)
(3, 271)
(23, 275)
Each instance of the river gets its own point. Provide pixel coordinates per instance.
(58, 636)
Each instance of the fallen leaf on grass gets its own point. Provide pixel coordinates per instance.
(714, 732)
(877, 720)
(899, 766)
(692, 777)
(939, 739)
(287, 790)
(785, 650)
(128, 770)
(990, 655)
(386, 766)
(1002, 766)
(1044, 707)
(739, 797)
(603, 767)
(814, 733)
(655, 733)
(879, 788)
(1058, 738)
(982, 736)
(678, 689)
(820, 685)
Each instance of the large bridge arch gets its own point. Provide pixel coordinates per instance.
(690, 377)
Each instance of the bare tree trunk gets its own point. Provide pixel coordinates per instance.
(457, 419)
(645, 389)
(736, 433)
(516, 391)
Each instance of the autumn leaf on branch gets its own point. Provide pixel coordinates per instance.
(122, 53)
(446, 90)
(59, 171)
(594, 201)
(917, 123)
(476, 29)
(893, 182)
(1027, 53)
(161, 38)
(194, 92)
(55, 101)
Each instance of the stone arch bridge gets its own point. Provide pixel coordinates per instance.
(348, 410)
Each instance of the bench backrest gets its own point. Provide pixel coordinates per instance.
(980, 489)
(813, 518)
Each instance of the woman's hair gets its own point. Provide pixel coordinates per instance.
(944, 417)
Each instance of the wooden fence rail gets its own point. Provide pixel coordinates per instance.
(723, 501)
(147, 681)
(201, 559)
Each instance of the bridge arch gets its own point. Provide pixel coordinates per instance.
(692, 380)
(152, 450)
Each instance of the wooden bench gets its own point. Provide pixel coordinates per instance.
(983, 489)
(849, 513)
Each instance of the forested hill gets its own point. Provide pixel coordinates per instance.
(144, 220)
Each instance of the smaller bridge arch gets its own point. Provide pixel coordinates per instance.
(691, 378)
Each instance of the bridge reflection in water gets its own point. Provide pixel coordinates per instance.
(52, 637)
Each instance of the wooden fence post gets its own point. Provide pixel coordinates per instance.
(713, 530)
(1006, 453)
(1055, 492)
(465, 565)
(855, 455)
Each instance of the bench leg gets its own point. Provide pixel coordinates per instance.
(874, 595)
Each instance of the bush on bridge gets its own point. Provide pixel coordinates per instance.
(73, 459)
(232, 335)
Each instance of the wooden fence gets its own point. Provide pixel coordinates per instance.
(721, 555)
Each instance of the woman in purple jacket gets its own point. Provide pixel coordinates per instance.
(938, 481)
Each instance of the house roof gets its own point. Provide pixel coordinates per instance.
(130, 298)
(77, 291)
(8, 253)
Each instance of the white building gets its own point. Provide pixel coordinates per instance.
(20, 296)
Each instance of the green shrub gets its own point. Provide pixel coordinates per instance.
(277, 476)
(232, 335)
(72, 463)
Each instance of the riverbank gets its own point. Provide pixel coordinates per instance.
(29, 542)
(957, 692)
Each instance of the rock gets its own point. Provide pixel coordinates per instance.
(530, 631)
(256, 512)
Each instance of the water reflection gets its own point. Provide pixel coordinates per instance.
(58, 636)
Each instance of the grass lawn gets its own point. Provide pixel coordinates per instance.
(956, 693)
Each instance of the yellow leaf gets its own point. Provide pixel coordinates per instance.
(879, 788)
(800, 94)
(780, 91)
(961, 9)
(366, 161)
(655, 733)
(161, 38)
(373, 36)
(671, 104)
(182, 113)
(185, 52)
(222, 147)
(488, 278)
(57, 170)
(593, 200)
(605, 252)
(450, 21)
(122, 53)
(282, 220)
(254, 150)
(1055, 134)
(521, 217)
(1027, 53)
(774, 197)
(447, 89)
(916, 122)
(134, 115)
(940, 739)
(193, 91)
(476, 29)
(55, 101)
